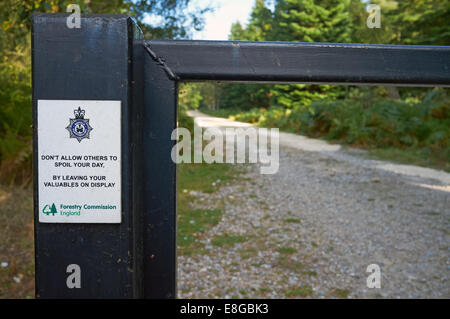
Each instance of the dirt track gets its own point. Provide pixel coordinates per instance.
(314, 227)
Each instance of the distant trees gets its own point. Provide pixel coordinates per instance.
(338, 21)
(291, 20)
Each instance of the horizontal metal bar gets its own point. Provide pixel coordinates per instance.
(399, 65)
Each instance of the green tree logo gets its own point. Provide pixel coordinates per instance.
(47, 210)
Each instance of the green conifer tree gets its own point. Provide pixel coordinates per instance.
(247, 96)
(310, 21)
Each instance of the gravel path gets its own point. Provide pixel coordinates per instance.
(312, 229)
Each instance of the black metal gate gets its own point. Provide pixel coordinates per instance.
(107, 59)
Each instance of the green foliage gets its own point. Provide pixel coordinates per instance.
(415, 21)
(385, 123)
(254, 116)
(260, 27)
(402, 22)
(15, 20)
(423, 22)
(312, 21)
(286, 250)
(292, 20)
(245, 96)
(15, 116)
(189, 96)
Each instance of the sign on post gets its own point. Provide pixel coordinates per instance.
(79, 161)
(86, 106)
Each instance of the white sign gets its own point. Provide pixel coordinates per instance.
(79, 149)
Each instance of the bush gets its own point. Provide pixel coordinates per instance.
(15, 118)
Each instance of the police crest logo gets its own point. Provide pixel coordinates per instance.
(79, 127)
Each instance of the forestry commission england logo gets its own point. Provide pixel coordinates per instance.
(79, 127)
(47, 210)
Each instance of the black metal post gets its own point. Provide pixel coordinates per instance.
(159, 179)
(94, 62)
(321, 63)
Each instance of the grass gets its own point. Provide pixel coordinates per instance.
(419, 157)
(16, 243)
(292, 220)
(228, 240)
(191, 222)
(286, 250)
(303, 291)
(202, 176)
